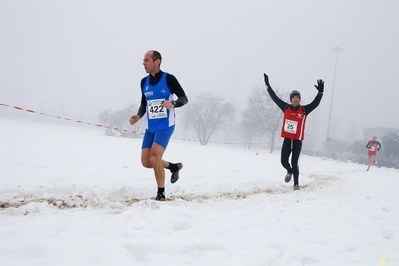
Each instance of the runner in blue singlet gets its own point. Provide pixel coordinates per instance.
(157, 103)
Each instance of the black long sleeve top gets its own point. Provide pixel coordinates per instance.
(307, 109)
(174, 86)
(374, 141)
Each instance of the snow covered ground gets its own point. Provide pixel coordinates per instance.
(73, 196)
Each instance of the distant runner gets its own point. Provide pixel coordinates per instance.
(293, 128)
(373, 145)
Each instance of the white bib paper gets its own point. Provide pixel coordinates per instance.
(290, 126)
(155, 109)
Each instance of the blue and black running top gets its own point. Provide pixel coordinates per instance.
(155, 90)
(158, 117)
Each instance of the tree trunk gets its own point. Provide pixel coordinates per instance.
(272, 141)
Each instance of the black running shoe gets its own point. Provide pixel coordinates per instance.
(288, 177)
(175, 175)
(296, 187)
(160, 196)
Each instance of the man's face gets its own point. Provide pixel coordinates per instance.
(295, 100)
(148, 63)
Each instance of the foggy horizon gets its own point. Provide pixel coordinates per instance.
(87, 56)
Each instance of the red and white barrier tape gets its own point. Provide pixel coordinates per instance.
(124, 130)
(59, 117)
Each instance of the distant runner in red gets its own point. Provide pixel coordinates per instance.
(373, 145)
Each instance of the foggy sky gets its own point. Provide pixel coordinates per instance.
(87, 55)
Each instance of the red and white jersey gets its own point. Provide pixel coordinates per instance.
(294, 124)
(373, 147)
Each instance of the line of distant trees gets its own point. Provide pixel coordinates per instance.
(119, 122)
(208, 114)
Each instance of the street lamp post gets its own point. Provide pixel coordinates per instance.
(336, 49)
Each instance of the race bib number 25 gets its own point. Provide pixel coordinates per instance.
(290, 126)
(156, 110)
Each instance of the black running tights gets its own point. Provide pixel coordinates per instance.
(294, 146)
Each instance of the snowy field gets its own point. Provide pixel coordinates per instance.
(73, 196)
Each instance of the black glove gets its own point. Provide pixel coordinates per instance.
(320, 85)
(266, 80)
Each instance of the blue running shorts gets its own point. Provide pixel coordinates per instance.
(160, 137)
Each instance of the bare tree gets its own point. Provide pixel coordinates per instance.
(207, 115)
(262, 114)
(248, 127)
(390, 149)
(118, 122)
